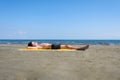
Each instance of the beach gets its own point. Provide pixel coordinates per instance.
(96, 63)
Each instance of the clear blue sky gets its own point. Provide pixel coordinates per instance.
(59, 19)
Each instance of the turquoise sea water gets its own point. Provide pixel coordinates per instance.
(92, 42)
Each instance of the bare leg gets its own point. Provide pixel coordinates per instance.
(72, 47)
(83, 48)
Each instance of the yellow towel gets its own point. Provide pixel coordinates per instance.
(37, 49)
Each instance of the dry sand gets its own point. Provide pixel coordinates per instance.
(96, 63)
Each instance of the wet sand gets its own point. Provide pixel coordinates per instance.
(96, 63)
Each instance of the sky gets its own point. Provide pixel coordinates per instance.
(59, 19)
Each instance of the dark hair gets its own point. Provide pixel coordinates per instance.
(30, 44)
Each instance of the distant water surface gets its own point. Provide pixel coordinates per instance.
(92, 42)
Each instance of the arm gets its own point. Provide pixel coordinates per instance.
(39, 47)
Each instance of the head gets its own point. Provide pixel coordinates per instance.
(32, 44)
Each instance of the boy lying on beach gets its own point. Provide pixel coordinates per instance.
(55, 46)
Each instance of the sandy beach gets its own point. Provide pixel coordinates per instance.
(96, 63)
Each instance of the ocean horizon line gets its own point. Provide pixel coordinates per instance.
(59, 39)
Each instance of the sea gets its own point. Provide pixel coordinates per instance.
(73, 42)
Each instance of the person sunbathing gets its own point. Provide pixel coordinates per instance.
(55, 46)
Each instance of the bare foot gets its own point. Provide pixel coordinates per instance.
(83, 48)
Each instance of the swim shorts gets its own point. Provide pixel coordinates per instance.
(55, 46)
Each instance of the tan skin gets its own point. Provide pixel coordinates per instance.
(48, 46)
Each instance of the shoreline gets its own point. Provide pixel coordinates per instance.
(68, 44)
